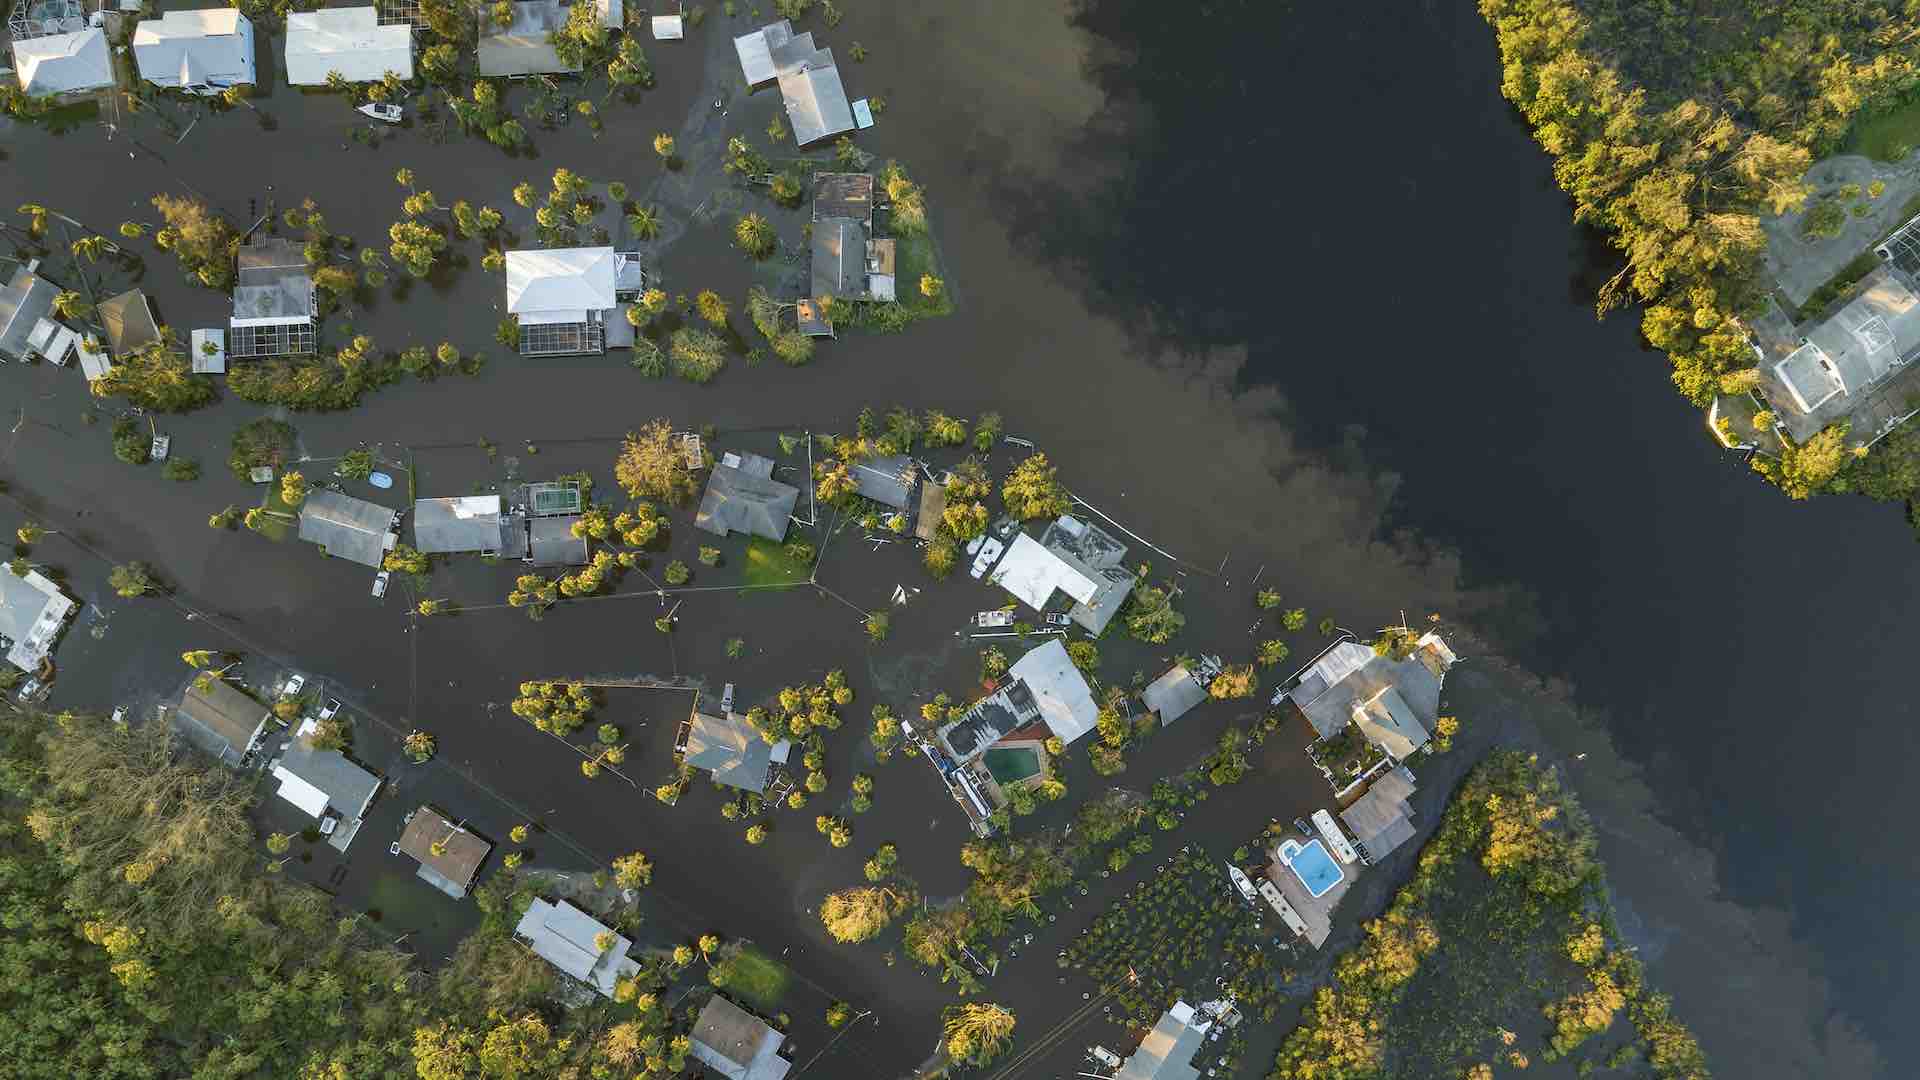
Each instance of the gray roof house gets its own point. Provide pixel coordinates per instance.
(810, 86)
(525, 47)
(326, 785)
(737, 1044)
(1394, 702)
(26, 299)
(462, 523)
(567, 938)
(129, 322)
(1167, 1051)
(1173, 694)
(33, 611)
(849, 264)
(743, 496)
(274, 301)
(347, 528)
(1381, 820)
(1073, 557)
(885, 480)
(221, 720)
(730, 749)
(843, 195)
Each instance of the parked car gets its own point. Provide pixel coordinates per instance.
(989, 553)
(380, 583)
(1058, 618)
(1301, 826)
(31, 688)
(330, 708)
(295, 683)
(988, 619)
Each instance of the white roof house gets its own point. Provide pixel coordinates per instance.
(1075, 558)
(32, 612)
(201, 52)
(63, 63)
(1059, 690)
(567, 938)
(325, 784)
(559, 284)
(350, 41)
(1031, 573)
(1167, 1051)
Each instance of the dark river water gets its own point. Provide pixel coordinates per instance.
(1282, 284)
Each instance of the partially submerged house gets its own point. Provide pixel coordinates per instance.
(325, 784)
(347, 528)
(33, 611)
(220, 719)
(203, 51)
(569, 939)
(886, 480)
(63, 65)
(467, 523)
(736, 1044)
(810, 87)
(1393, 701)
(1174, 694)
(742, 496)
(349, 42)
(1381, 820)
(129, 323)
(1167, 1051)
(25, 302)
(525, 46)
(449, 854)
(274, 301)
(563, 298)
(1073, 557)
(729, 749)
(1060, 693)
(848, 262)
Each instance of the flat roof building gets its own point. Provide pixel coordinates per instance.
(33, 611)
(347, 528)
(26, 299)
(449, 855)
(525, 47)
(1167, 1051)
(202, 51)
(61, 64)
(274, 301)
(221, 720)
(550, 542)
(325, 784)
(737, 1044)
(1060, 692)
(742, 496)
(568, 938)
(1852, 362)
(349, 42)
(129, 323)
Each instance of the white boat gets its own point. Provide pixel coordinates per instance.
(988, 619)
(160, 445)
(380, 110)
(1240, 882)
(989, 553)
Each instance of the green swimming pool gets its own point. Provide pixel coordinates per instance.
(1010, 766)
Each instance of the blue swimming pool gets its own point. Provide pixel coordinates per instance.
(1312, 865)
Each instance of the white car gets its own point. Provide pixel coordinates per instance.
(332, 706)
(989, 553)
(989, 619)
(380, 583)
(295, 683)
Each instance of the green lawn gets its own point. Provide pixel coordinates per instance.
(1889, 136)
(753, 975)
(768, 564)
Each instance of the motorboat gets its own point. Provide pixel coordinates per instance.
(380, 110)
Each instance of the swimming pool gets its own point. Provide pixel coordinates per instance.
(1312, 865)
(1010, 765)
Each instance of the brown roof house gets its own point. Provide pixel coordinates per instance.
(736, 1044)
(449, 855)
(221, 720)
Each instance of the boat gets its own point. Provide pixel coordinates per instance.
(1241, 883)
(161, 443)
(989, 619)
(990, 552)
(380, 480)
(380, 111)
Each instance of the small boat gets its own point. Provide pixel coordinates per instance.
(1241, 883)
(161, 443)
(380, 480)
(380, 111)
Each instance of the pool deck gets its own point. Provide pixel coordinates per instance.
(1315, 911)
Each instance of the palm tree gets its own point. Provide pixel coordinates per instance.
(90, 246)
(644, 223)
(71, 305)
(36, 218)
(133, 230)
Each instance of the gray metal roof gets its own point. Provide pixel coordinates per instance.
(737, 1044)
(550, 542)
(526, 46)
(1173, 694)
(839, 259)
(1380, 820)
(755, 51)
(129, 321)
(564, 936)
(352, 529)
(462, 523)
(887, 480)
(349, 787)
(729, 748)
(1349, 674)
(1166, 1053)
(26, 299)
(816, 102)
(747, 499)
(220, 720)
